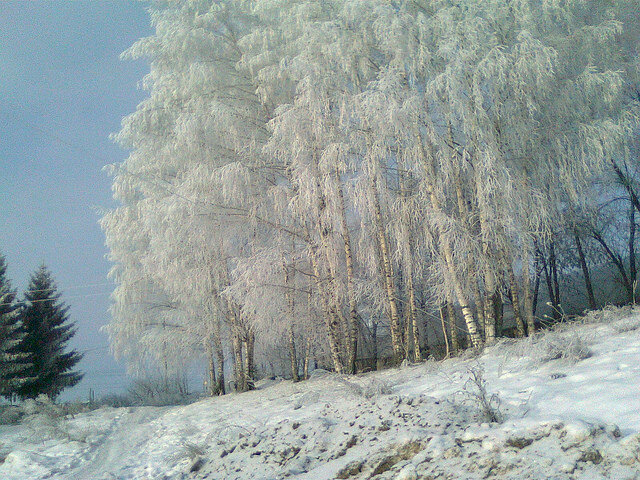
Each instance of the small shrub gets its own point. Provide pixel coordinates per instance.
(10, 414)
(572, 347)
(74, 408)
(49, 420)
(193, 451)
(158, 392)
(608, 313)
(475, 394)
(628, 325)
(470, 353)
(375, 388)
(116, 401)
(370, 389)
(318, 373)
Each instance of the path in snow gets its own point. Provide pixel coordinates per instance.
(116, 453)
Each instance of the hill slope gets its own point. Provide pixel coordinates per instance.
(568, 402)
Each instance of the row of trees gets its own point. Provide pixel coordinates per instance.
(317, 178)
(34, 332)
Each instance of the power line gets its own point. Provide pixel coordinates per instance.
(44, 133)
(57, 297)
(72, 288)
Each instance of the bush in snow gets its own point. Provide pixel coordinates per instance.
(609, 313)
(475, 394)
(44, 418)
(628, 325)
(370, 389)
(159, 392)
(572, 347)
(116, 401)
(375, 388)
(10, 414)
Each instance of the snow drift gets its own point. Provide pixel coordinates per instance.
(564, 404)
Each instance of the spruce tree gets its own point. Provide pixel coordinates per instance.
(47, 331)
(13, 363)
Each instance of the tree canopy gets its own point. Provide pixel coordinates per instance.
(306, 172)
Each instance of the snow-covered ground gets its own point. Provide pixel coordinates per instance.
(568, 401)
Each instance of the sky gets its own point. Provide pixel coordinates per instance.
(63, 91)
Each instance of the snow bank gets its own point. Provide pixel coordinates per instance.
(569, 398)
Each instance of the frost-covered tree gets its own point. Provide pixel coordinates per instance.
(487, 79)
(193, 144)
(310, 171)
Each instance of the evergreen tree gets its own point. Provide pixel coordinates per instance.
(48, 329)
(13, 363)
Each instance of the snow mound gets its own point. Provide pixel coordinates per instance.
(567, 399)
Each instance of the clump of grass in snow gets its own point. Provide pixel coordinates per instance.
(476, 395)
(572, 347)
(376, 388)
(370, 389)
(627, 325)
(10, 415)
(193, 450)
(610, 313)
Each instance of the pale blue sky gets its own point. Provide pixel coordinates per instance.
(63, 90)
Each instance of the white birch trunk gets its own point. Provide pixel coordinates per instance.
(353, 324)
(387, 272)
(467, 312)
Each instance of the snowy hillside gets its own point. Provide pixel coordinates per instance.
(568, 402)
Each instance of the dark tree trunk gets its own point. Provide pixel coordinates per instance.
(498, 307)
(238, 364)
(453, 328)
(537, 267)
(307, 360)
(551, 276)
(374, 343)
(250, 369)
(585, 271)
(293, 358)
(212, 382)
(443, 317)
(219, 353)
(553, 264)
(515, 302)
(626, 183)
(633, 274)
(617, 261)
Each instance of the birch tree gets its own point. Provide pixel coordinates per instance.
(313, 170)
